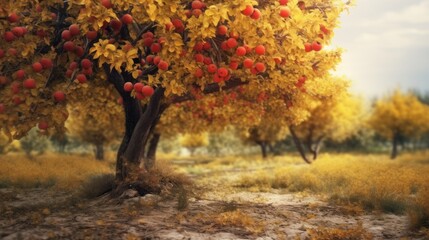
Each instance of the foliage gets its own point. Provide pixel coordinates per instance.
(337, 119)
(34, 142)
(194, 141)
(401, 114)
(177, 38)
(90, 122)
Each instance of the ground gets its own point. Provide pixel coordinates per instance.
(215, 208)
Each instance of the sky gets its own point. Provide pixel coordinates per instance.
(386, 45)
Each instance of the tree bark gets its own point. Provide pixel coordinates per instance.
(263, 145)
(99, 151)
(132, 111)
(298, 144)
(395, 142)
(271, 148)
(150, 158)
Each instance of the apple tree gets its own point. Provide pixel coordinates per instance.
(154, 53)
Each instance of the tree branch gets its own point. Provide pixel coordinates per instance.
(209, 89)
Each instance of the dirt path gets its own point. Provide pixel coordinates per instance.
(47, 214)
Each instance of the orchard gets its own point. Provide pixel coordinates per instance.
(156, 54)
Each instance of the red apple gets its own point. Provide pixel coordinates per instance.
(248, 63)
(260, 50)
(316, 46)
(248, 10)
(9, 36)
(283, 2)
(43, 125)
(106, 3)
(156, 60)
(222, 30)
(155, 47)
(199, 57)
(260, 67)
(240, 51)
(256, 14)
(233, 65)
(86, 63)
(37, 67)
(163, 65)
(128, 86)
(91, 35)
(116, 25)
(147, 41)
(198, 72)
(29, 83)
(222, 72)
(212, 68)
(74, 29)
(66, 35)
(79, 51)
(284, 12)
(147, 91)
(20, 74)
(59, 96)
(197, 12)
(12, 51)
(3, 80)
(13, 17)
(308, 47)
(17, 100)
(231, 42)
(197, 4)
(68, 46)
(81, 78)
(46, 63)
(18, 31)
(208, 61)
(127, 19)
(138, 87)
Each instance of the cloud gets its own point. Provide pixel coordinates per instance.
(414, 14)
(395, 38)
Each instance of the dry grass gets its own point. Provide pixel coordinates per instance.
(371, 181)
(62, 171)
(354, 233)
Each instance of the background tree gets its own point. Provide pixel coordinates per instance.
(399, 116)
(194, 141)
(265, 135)
(33, 142)
(335, 117)
(91, 123)
(157, 49)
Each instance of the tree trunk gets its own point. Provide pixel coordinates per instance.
(394, 153)
(315, 151)
(138, 124)
(298, 144)
(150, 158)
(271, 148)
(99, 151)
(263, 146)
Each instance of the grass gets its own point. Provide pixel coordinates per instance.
(373, 182)
(66, 172)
